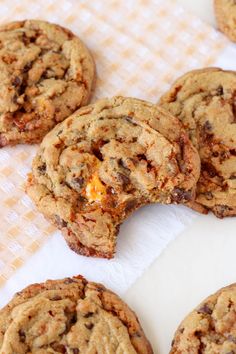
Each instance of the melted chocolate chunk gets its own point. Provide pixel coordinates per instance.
(75, 350)
(205, 309)
(180, 195)
(78, 181)
(209, 168)
(16, 81)
(96, 147)
(231, 338)
(89, 326)
(233, 152)
(56, 298)
(89, 314)
(22, 336)
(69, 281)
(220, 91)
(60, 348)
(60, 222)
(42, 168)
(208, 195)
(27, 67)
(123, 179)
(130, 205)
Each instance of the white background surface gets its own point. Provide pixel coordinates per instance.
(200, 261)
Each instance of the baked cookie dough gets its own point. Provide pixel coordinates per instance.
(105, 161)
(211, 327)
(70, 316)
(205, 101)
(225, 11)
(46, 73)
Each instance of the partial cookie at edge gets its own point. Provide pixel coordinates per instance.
(70, 316)
(210, 328)
(46, 74)
(225, 11)
(205, 101)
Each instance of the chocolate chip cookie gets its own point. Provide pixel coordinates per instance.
(70, 316)
(225, 11)
(46, 73)
(105, 161)
(210, 328)
(205, 101)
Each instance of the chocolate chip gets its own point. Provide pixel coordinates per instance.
(215, 154)
(27, 67)
(111, 190)
(69, 281)
(42, 168)
(89, 325)
(206, 132)
(130, 119)
(56, 298)
(130, 205)
(81, 199)
(88, 314)
(220, 91)
(231, 338)
(209, 168)
(233, 176)
(60, 222)
(121, 163)
(22, 336)
(16, 81)
(136, 334)
(141, 157)
(123, 179)
(75, 350)
(15, 98)
(60, 348)
(96, 146)
(207, 126)
(205, 309)
(233, 152)
(179, 195)
(73, 319)
(224, 155)
(78, 181)
(182, 147)
(221, 210)
(208, 195)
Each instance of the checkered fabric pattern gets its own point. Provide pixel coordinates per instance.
(140, 47)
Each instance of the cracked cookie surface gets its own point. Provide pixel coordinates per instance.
(205, 101)
(210, 328)
(225, 11)
(105, 161)
(46, 73)
(70, 316)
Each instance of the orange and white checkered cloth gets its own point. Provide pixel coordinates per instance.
(140, 47)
